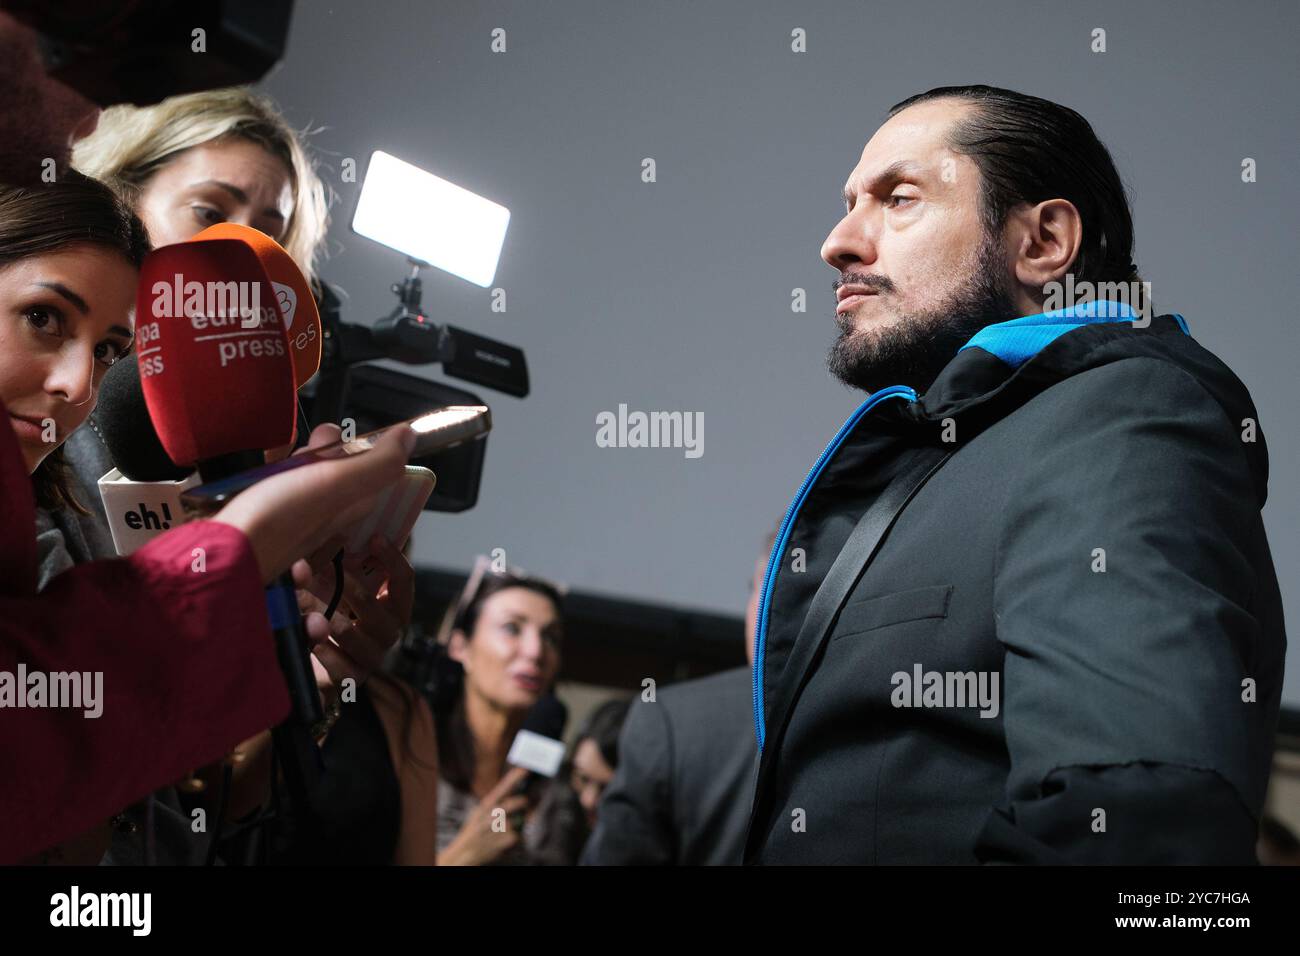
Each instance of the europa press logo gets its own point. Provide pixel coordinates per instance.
(292, 292)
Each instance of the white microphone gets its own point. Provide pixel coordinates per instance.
(139, 511)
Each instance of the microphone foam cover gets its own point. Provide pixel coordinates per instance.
(215, 365)
(547, 717)
(123, 422)
(292, 294)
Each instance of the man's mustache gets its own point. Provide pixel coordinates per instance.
(876, 283)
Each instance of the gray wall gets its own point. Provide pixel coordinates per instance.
(676, 295)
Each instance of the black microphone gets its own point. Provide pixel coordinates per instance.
(538, 746)
(547, 717)
(142, 498)
(122, 419)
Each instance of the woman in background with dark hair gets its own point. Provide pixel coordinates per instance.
(566, 814)
(503, 653)
(595, 756)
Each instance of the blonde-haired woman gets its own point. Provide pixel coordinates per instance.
(216, 156)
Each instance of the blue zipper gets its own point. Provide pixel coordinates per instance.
(778, 549)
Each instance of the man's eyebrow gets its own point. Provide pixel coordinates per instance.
(887, 176)
(240, 196)
(122, 331)
(68, 294)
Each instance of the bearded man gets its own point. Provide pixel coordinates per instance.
(1023, 608)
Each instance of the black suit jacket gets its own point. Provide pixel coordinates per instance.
(685, 773)
(1095, 545)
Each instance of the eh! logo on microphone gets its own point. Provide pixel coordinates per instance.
(146, 518)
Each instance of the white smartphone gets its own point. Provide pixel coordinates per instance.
(393, 518)
(436, 430)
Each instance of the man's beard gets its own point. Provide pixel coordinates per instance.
(914, 348)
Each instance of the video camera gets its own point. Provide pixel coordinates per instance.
(432, 222)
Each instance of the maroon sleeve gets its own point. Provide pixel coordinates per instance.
(180, 634)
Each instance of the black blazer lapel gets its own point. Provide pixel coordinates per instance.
(848, 567)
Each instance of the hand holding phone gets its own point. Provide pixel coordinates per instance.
(434, 431)
(289, 515)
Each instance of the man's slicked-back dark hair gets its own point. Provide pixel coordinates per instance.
(1028, 150)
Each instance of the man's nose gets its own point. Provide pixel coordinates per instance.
(850, 243)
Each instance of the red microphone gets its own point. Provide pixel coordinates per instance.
(214, 360)
(218, 379)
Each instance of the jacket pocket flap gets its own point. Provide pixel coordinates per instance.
(896, 608)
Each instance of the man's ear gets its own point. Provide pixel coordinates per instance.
(458, 648)
(1046, 239)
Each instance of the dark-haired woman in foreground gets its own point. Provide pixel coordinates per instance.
(185, 659)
